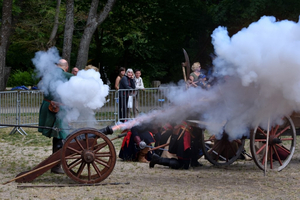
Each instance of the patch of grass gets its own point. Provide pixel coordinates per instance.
(33, 138)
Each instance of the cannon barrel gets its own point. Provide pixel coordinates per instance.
(107, 130)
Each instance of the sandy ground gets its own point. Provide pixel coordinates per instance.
(241, 180)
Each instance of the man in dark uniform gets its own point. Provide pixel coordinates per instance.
(130, 149)
(50, 119)
(179, 153)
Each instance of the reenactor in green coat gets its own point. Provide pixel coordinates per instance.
(50, 119)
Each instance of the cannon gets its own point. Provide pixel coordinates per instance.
(88, 156)
(280, 143)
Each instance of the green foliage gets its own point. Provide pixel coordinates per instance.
(144, 34)
(18, 78)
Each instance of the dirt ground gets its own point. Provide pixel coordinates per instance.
(241, 180)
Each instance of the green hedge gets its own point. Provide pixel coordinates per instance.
(18, 78)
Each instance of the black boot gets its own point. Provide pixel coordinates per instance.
(56, 146)
(57, 169)
(154, 160)
(195, 163)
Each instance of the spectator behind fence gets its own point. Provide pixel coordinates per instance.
(75, 71)
(194, 76)
(49, 119)
(91, 67)
(127, 82)
(119, 77)
(139, 84)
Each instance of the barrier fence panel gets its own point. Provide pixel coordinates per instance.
(143, 101)
(30, 103)
(8, 107)
(22, 107)
(108, 112)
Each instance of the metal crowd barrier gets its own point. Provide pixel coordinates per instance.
(22, 107)
(143, 101)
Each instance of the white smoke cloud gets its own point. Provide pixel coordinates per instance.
(50, 74)
(83, 94)
(260, 69)
(262, 63)
(80, 95)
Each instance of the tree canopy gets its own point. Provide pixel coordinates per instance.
(140, 34)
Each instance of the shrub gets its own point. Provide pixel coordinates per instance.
(18, 78)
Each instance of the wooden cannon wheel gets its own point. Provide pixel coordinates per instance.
(93, 158)
(281, 145)
(221, 152)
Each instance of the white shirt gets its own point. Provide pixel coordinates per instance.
(139, 83)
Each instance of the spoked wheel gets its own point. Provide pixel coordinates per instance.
(221, 152)
(88, 156)
(281, 145)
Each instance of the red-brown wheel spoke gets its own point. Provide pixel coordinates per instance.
(271, 157)
(260, 140)
(102, 162)
(218, 155)
(75, 150)
(103, 154)
(277, 155)
(263, 159)
(100, 146)
(79, 144)
(215, 146)
(282, 131)
(73, 157)
(232, 149)
(260, 149)
(286, 139)
(89, 171)
(80, 169)
(74, 164)
(274, 131)
(96, 169)
(87, 140)
(227, 154)
(284, 149)
(221, 149)
(261, 131)
(94, 143)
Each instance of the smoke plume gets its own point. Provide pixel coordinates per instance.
(258, 70)
(80, 95)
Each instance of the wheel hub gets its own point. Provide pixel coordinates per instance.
(274, 140)
(88, 156)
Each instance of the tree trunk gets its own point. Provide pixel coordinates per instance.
(69, 28)
(52, 40)
(94, 20)
(5, 33)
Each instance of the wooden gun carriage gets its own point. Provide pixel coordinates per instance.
(273, 148)
(279, 143)
(87, 156)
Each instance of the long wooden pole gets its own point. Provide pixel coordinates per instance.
(184, 75)
(267, 147)
(160, 146)
(30, 172)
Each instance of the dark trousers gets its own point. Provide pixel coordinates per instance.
(56, 144)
